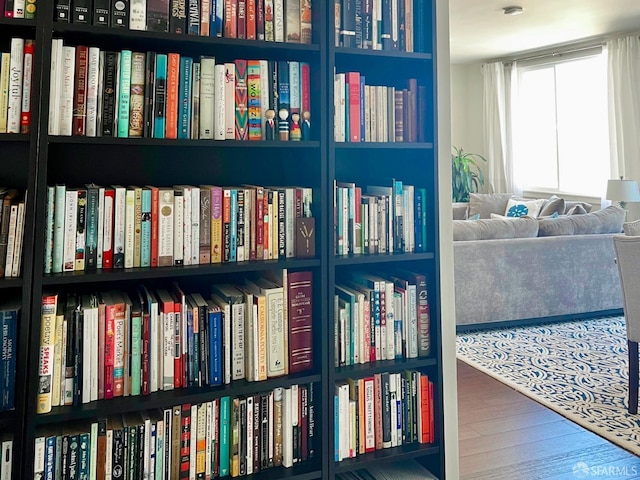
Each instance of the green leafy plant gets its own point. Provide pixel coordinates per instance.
(467, 176)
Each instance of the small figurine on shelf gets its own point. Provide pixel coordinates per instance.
(270, 125)
(306, 125)
(283, 124)
(294, 129)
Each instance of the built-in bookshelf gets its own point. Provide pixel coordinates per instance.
(311, 159)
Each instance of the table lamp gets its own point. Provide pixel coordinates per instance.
(623, 191)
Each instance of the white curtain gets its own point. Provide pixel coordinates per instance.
(624, 110)
(498, 89)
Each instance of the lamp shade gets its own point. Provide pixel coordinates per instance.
(623, 190)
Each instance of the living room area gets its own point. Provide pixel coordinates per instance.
(544, 95)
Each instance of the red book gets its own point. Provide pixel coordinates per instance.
(109, 345)
(424, 409)
(173, 84)
(27, 82)
(107, 252)
(80, 90)
(230, 19)
(260, 212)
(155, 199)
(353, 82)
(185, 441)
(305, 87)
(241, 24)
(300, 308)
(226, 225)
(251, 19)
(180, 312)
(432, 432)
(265, 235)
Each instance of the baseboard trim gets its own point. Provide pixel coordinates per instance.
(472, 327)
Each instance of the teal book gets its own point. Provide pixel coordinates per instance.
(145, 225)
(225, 422)
(124, 89)
(184, 100)
(58, 230)
(160, 96)
(136, 346)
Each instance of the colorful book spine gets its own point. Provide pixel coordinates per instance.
(160, 96)
(25, 115)
(184, 101)
(136, 95)
(173, 86)
(145, 237)
(125, 93)
(255, 117)
(241, 107)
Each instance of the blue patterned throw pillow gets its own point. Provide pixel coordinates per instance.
(517, 208)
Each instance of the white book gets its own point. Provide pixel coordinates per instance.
(178, 227)
(70, 223)
(193, 440)
(219, 120)
(264, 93)
(389, 307)
(340, 108)
(92, 91)
(295, 412)
(369, 428)
(13, 220)
(17, 250)
(367, 113)
(187, 225)
(207, 97)
(377, 24)
(107, 242)
(229, 101)
(165, 227)
(195, 225)
(15, 84)
(18, 9)
(278, 20)
(100, 89)
(55, 86)
(373, 112)
(129, 228)
(108, 464)
(39, 456)
(93, 346)
(287, 428)
(248, 218)
(294, 87)
(27, 80)
(138, 15)
(391, 114)
(67, 90)
(210, 436)
(100, 244)
(85, 381)
(119, 226)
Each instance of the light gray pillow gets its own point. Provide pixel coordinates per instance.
(568, 205)
(553, 227)
(607, 220)
(576, 210)
(487, 203)
(632, 228)
(553, 205)
(495, 228)
(460, 210)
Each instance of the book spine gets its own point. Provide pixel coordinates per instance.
(184, 100)
(241, 107)
(120, 13)
(173, 85)
(5, 63)
(119, 227)
(125, 93)
(145, 227)
(255, 117)
(177, 227)
(178, 16)
(136, 95)
(165, 227)
(216, 225)
(278, 20)
(101, 12)
(300, 285)
(269, 28)
(241, 19)
(158, 15)
(47, 346)
(149, 92)
(91, 242)
(230, 19)
(137, 14)
(207, 97)
(91, 102)
(220, 82)
(25, 114)
(109, 102)
(160, 96)
(67, 90)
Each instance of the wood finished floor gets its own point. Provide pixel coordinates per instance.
(504, 435)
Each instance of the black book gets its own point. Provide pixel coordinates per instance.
(264, 430)
(194, 17)
(419, 33)
(120, 13)
(243, 436)
(109, 94)
(8, 8)
(402, 39)
(70, 318)
(311, 422)
(348, 32)
(63, 11)
(77, 354)
(273, 90)
(178, 16)
(101, 12)
(358, 23)
(73, 463)
(82, 10)
(140, 452)
(160, 93)
(118, 462)
(91, 238)
(257, 415)
(158, 15)
(149, 88)
(386, 411)
(387, 25)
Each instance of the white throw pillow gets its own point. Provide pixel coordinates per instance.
(520, 208)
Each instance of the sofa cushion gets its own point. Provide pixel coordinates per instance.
(519, 208)
(553, 205)
(568, 205)
(577, 210)
(460, 210)
(494, 228)
(632, 228)
(487, 203)
(607, 220)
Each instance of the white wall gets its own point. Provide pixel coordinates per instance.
(466, 108)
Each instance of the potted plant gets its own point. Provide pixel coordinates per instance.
(467, 176)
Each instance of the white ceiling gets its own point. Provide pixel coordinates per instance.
(480, 31)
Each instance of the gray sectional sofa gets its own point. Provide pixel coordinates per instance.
(528, 269)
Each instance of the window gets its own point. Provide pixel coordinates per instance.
(561, 124)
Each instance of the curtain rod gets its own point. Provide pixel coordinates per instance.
(554, 53)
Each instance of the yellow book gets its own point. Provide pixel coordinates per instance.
(57, 357)
(4, 90)
(47, 352)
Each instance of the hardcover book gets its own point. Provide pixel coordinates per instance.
(158, 15)
(241, 107)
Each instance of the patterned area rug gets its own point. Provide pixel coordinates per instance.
(579, 369)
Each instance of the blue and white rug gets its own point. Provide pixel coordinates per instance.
(578, 368)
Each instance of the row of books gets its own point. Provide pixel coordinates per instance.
(265, 20)
(118, 343)
(380, 24)
(377, 113)
(12, 215)
(384, 410)
(16, 75)
(18, 9)
(383, 219)
(228, 436)
(383, 317)
(9, 315)
(95, 227)
(6, 461)
(156, 95)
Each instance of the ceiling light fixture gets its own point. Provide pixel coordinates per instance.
(513, 10)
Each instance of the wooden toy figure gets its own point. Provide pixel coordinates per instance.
(270, 125)
(294, 129)
(283, 124)
(306, 125)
